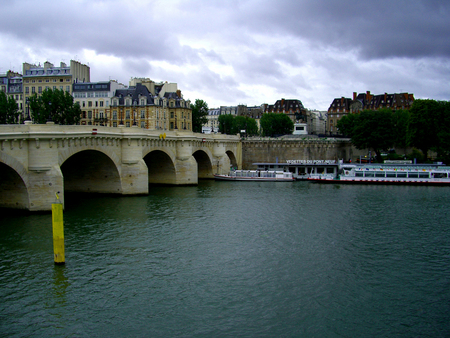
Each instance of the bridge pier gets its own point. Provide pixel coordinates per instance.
(186, 171)
(134, 177)
(43, 183)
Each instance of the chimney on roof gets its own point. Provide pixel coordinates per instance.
(385, 97)
(354, 96)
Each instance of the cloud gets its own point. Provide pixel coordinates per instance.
(252, 51)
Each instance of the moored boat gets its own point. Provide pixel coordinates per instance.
(256, 175)
(387, 174)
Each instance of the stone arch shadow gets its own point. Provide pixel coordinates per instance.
(161, 167)
(90, 170)
(13, 184)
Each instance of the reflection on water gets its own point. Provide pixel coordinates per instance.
(233, 259)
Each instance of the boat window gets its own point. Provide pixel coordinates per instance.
(440, 175)
(401, 174)
(424, 175)
(369, 174)
(413, 175)
(380, 174)
(359, 174)
(320, 170)
(390, 174)
(330, 170)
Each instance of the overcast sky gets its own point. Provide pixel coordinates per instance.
(241, 51)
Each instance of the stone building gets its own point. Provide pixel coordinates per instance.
(292, 108)
(94, 99)
(150, 105)
(36, 78)
(212, 125)
(344, 106)
(11, 85)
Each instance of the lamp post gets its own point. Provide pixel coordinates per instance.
(27, 101)
(49, 118)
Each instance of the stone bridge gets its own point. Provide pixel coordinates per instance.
(37, 161)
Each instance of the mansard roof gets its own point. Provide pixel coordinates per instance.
(135, 93)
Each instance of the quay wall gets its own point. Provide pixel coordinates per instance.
(272, 150)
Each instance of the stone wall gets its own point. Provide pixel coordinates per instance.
(272, 150)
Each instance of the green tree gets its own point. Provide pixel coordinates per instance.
(273, 124)
(401, 123)
(199, 115)
(370, 129)
(245, 123)
(9, 112)
(425, 124)
(226, 124)
(55, 105)
(443, 133)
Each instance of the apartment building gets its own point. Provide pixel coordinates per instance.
(292, 108)
(151, 105)
(11, 85)
(37, 78)
(94, 99)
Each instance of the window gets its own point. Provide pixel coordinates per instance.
(142, 114)
(142, 124)
(27, 90)
(101, 103)
(89, 114)
(96, 103)
(114, 124)
(33, 90)
(67, 88)
(127, 114)
(89, 103)
(128, 124)
(171, 114)
(115, 115)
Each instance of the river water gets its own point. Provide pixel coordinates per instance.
(233, 259)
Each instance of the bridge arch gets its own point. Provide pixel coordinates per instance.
(161, 167)
(92, 171)
(13, 188)
(232, 157)
(204, 164)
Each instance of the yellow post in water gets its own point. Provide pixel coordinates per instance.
(58, 232)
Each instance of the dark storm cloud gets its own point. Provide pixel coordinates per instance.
(376, 29)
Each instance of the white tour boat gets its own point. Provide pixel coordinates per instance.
(387, 174)
(256, 175)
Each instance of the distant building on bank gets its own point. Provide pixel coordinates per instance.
(94, 99)
(292, 108)
(344, 106)
(150, 105)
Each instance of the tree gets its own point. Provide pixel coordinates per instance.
(370, 129)
(231, 125)
(55, 105)
(424, 125)
(9, 112)
(443, 132)
(401, 122)
(199, 113)
(273, 124)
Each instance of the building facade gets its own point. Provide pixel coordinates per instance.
(292, 108)
(36, 78)
(11, 85)
(150, 105)
(94, 99)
